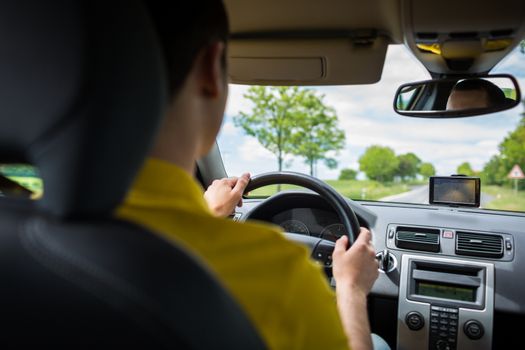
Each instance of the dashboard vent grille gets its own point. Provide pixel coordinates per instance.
(477, 244)
(417, 239)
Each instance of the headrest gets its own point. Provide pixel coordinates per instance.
(81, 96)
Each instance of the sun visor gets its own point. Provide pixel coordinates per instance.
(306, 61)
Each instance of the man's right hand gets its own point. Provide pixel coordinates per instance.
(355, 271)
(357, 267)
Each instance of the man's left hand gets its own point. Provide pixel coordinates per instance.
(225, 194)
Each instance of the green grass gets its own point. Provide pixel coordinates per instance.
(505, 198)
(34, 184)
(355, 189)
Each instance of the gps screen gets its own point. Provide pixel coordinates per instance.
(455, 190)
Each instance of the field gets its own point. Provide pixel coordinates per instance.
(34, 184)
(505, 198)
(355, 189)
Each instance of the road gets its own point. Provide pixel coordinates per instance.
(419, 195)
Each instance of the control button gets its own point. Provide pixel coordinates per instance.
(443, 322)
(443, 315)
(442, 345)
(414, 320)
(508, 244)
(473, 329)
(391, 233)
(320, 255)
(448, 234)
(453, 323)
(453, 317)
(434, 314)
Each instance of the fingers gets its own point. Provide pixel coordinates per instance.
(241, 183)
(340, 245)
(364, 236)
(231, 181)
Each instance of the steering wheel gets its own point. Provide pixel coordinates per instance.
(334, 199)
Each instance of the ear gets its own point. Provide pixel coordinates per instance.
(211, 72)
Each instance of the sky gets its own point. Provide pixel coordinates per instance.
(366, 115)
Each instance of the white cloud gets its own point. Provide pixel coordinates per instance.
(236, 101)
(228, 129)
(251, 149)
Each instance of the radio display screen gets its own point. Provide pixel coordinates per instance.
(446, 291)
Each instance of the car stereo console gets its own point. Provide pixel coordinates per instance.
(445, 304)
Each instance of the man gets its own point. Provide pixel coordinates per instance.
(475, 93)
(284, 294)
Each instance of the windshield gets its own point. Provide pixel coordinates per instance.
(350, 137)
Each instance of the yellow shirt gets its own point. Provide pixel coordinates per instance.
(282, 291)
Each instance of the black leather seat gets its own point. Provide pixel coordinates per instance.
(81, 96)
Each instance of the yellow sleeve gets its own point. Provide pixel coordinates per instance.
(312, 299)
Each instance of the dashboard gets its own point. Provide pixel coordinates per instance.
(460, 267)
(310, 221)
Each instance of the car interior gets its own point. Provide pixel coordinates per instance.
(71, 273)
(78, 79)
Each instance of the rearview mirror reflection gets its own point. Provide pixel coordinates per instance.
(457, 97)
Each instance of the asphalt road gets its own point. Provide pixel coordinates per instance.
(419, 195)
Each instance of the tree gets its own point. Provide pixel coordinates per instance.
(272, 118)
(494, 172)
(317, 132)
(379, 163)
(427, 170)
(512, 148)
(465, 169)
(511, 151)
(408, 166)
(348, 174)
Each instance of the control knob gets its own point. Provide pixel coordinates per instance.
(414, 320)
(473, 329)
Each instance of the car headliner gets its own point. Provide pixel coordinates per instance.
(320, 42)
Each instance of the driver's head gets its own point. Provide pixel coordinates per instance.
(474, 93)
(193, 36)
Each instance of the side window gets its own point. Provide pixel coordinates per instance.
(21, 181)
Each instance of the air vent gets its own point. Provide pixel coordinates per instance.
(502, 33)
(416, 238)
(477, 244)
(464, 35)
(427, 36)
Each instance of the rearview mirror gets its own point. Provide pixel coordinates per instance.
(457, 97)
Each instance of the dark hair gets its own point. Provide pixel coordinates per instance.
(495, 94)
(184, 28)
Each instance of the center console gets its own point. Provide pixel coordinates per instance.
(445, 303)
